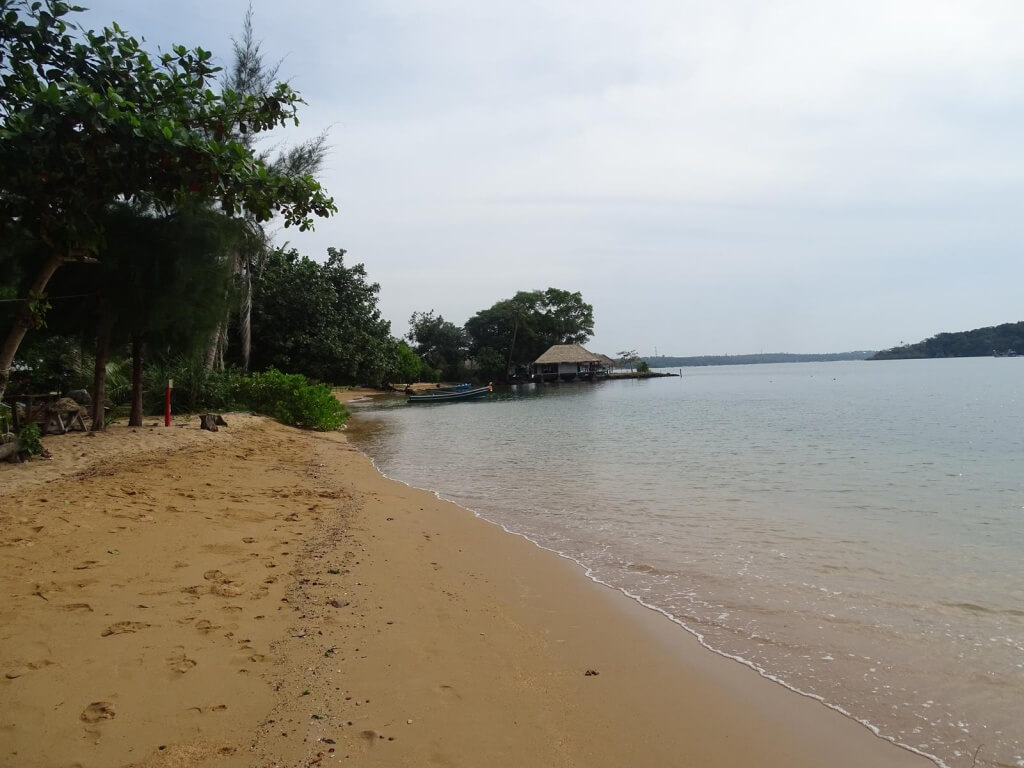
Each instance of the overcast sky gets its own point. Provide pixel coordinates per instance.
(715, 177)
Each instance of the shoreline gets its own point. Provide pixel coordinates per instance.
(691, 632)
(373, 621)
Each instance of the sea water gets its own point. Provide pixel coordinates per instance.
(853, 530)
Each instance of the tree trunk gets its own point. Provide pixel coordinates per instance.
(138, 347)
(99, 378)
(24, 320)
(214, 356)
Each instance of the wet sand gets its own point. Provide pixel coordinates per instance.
(261, 596)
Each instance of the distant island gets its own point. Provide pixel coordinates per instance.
(1006, 340)
(663, 361)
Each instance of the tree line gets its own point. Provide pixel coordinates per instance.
(981, 342)
(499, 343)
(135, 198)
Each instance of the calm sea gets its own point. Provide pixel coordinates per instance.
(854, 530)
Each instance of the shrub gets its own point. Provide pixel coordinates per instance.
(29, 437)
(293, 400)
(196, 388)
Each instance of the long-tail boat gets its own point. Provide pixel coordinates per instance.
(449, 394)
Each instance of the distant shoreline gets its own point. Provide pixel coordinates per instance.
(664, 361)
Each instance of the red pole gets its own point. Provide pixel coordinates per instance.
(167, 403)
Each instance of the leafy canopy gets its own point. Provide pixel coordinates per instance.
(517, 331)
(88, 118)
(441, 345)
(320, 320)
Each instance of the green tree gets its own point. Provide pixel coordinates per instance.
(90, 118)
(628, 358)
(520, 329)
(407, 363)
(168, 301)
(252, 75)
(441, 345)
(320, 320)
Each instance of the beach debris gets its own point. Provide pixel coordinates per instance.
(98, 710)
(336, 603)
(209, 422)
(591, 673)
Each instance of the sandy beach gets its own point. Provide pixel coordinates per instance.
(262, 596)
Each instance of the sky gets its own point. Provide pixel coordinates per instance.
(723, 177)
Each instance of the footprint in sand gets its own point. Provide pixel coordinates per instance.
(70, 607)
(23, 669)
(124, 628)
(227, 590)
(181, 663)
(222, 584)
(98, 710)
(206, 626)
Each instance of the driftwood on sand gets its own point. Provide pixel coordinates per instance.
(211, 421)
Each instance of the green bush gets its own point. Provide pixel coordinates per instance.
(29, 437)
(293, 400)
(196, 388)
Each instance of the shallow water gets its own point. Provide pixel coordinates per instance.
(854, 530)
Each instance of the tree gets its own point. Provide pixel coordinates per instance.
(320, 320)
(628, 358)
(89, 118)
(643, 367)
(251, 75)
(407, 363)
(520, 329)
(168, 301)
(441, 345)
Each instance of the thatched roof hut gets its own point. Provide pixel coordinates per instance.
(566, 362)
(567, 353)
